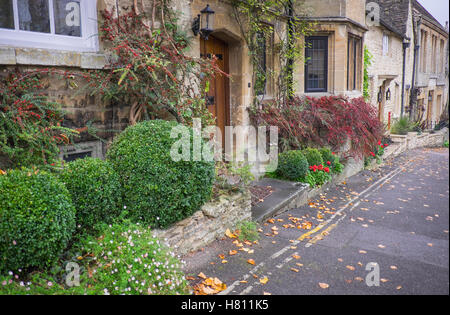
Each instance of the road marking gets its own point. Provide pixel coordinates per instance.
(380, 183)
(365, 193)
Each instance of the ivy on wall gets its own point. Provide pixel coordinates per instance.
(260, 21)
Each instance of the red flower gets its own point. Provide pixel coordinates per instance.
(379, 142)
(311, 168)
(320, 167)
(326, 169)
(333, 153)
(385, 145)
(328, 163)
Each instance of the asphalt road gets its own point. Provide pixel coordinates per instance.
(396, 217)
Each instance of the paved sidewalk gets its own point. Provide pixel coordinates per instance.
(396, 216)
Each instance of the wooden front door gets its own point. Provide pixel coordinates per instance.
(218, 95)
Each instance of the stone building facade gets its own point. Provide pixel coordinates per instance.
(334, 51)
(410, 56)
(35, 37)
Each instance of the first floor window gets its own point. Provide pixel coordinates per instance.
(55, 24)
(354, 63)
(316, 68)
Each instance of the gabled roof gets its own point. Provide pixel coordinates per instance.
(394, 15)
(419, 9)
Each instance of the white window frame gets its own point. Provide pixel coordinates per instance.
(88, 42)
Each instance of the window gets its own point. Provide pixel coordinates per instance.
(316, 68)
(53, 24)
(385, 45)
(354, 63)
(264, 82)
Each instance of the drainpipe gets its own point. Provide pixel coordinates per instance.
(290, 61)
(405, 46)
(417, 40)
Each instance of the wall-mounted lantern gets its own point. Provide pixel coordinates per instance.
(388, 95)
(430, 97)
(203, 24)
(380, 96)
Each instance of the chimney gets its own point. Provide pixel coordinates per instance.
(446, 26)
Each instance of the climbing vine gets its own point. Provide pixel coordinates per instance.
(150, 68)
(367, 63)
(283, 21)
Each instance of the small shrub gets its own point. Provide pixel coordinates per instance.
(95, 190)
(317, 177)
(157, 190)
(445, 144)
(248, 231)
(313, 156)
(37, 219)
(292, 165)
(402, 126)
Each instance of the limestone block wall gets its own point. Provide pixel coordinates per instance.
(208, 223)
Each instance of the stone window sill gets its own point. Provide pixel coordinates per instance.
(51, 58)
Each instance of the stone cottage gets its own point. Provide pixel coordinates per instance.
(408, 73)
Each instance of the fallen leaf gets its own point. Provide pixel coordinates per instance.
(202, 275)
(232, 252)
(350, 267)
(251, 261)
(399, 287)
(359, 279)
(295, 270)
(384, 280)
(263, 280)
(224, 261)
(324, 285)
(267, 293)
(295, 256)
(229, 234)
(393, 267)
(362, 252)
(381, 246)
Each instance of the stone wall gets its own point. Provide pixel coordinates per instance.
(208, 223)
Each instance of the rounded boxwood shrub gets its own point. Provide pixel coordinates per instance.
(95, 190)
(156, 189)
(313, 156)
(37, 219)
(292, 165)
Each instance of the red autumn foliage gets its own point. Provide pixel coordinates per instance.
(327, 121)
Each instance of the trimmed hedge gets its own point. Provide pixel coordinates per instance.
(95, 190)
(37, 219)
(157, 190)
(292, 165)
(313, 156)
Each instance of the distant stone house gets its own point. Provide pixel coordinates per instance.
(410, 55)
(334, 51)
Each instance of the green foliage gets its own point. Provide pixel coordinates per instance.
(327, 155)
(445, 144)
(248, 231)
(37, 219)
(156, 189)
(125, 259)
(317, 178)
(30, 129)
(402, 126)
(256, 19)
(313, 156)
(151, 70)
(338, 167)
(368, 57)
(292, 165)
(95, 190)
(233, 176)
